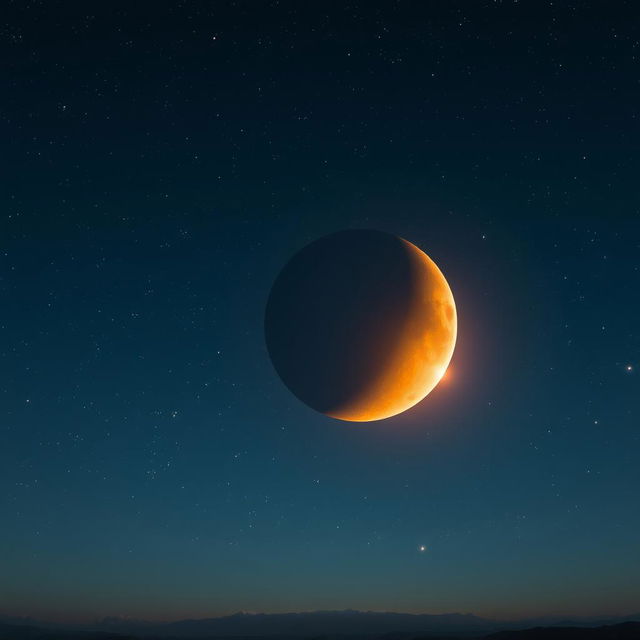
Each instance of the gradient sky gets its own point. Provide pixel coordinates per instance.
(160, 164)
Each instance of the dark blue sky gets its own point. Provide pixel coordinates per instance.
(161, 162)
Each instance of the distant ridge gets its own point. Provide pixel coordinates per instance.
(325, 625)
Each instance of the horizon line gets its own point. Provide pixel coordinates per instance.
(8, 618)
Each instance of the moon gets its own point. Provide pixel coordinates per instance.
(360, 325)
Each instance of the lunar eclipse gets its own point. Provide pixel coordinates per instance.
(361, 325)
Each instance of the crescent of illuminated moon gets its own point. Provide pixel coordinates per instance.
(422, 353)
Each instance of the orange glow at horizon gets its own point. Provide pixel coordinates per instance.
(422, 352)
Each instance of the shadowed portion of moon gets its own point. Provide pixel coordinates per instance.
(360, 325)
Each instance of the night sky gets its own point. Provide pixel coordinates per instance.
(162, 161)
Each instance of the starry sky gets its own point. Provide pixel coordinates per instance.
(161, 162)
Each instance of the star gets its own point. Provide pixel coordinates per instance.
(422, 548)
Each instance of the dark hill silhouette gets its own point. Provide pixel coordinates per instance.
(324, 625)
(623, 631)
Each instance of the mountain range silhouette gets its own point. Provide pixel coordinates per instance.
(328, 625)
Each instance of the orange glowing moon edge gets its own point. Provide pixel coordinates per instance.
(422, 352)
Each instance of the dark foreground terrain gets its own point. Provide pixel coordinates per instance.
(622, 631)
